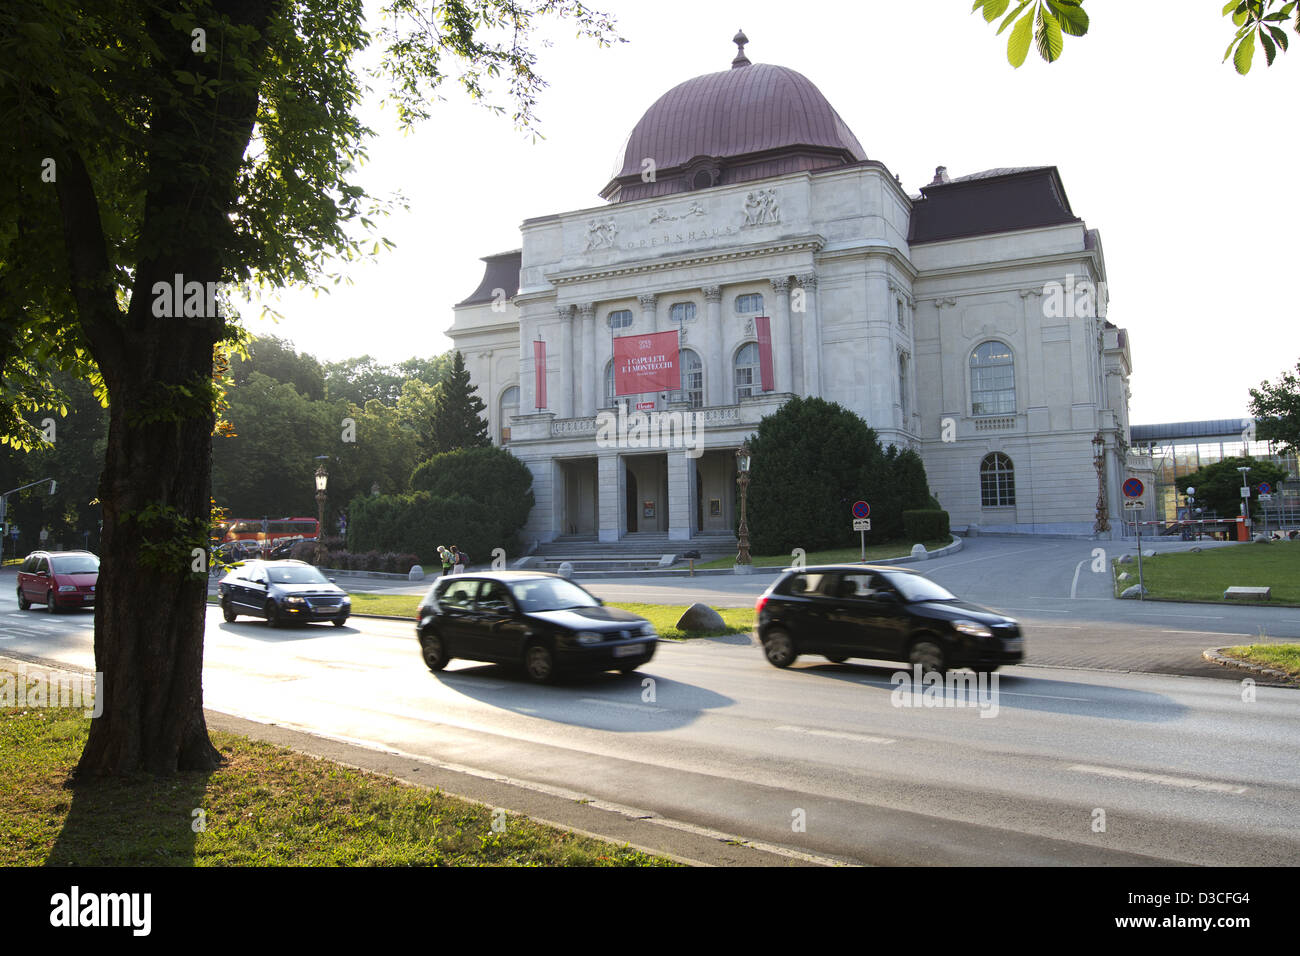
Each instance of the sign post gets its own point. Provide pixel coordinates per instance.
(1133, 489)
(862, 524)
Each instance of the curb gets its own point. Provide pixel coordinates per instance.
(1282, 678)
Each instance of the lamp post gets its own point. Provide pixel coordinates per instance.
(743, 460)
(322, 480)
(1102, 524)
(1191, 502)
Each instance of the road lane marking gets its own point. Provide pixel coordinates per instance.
(1074, 585)
(1159, 778)
(837, 734)
(644, 708)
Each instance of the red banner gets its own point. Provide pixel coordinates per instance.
(539, 371)
(764, 325)
(646, 363)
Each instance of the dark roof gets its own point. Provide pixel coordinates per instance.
(1217, 428)
(996, 200)
(502, 272)
(756, 111)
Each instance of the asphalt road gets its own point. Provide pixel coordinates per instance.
(821, 759)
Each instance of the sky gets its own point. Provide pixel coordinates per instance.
(1183, 166)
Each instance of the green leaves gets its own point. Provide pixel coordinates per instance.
(1054, 18)
(1258, 18)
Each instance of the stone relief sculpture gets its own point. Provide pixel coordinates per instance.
(761, 208)
(661, 214)
(601, 234)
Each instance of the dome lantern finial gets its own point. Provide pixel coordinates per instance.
(740, 40)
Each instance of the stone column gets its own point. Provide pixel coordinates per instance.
(590, 386)
(527, 403)
(680, 505)
(649, 321)
(610, 496)
(781, 359)
(812, 336)
(715, 363)
(567, 380)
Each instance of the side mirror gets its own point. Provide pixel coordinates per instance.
(332, 580)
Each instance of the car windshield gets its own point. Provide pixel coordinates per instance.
(551, 594)
(913, 587)
(295, 574)
(75, 564)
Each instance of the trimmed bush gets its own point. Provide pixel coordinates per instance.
(415, 524)
(925, 524)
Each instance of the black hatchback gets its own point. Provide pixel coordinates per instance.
(543, 622)
(881, 613)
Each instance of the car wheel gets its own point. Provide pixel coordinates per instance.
(433, 651)
(836, 658)
(273, 618)
(340, 621)
(23, 603)
(539, 663)
(929, 655)
(628, 668)
(779, 648)
(228, 609)
(50, 606)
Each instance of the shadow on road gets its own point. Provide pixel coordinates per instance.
(1076, 698)
(632, 703)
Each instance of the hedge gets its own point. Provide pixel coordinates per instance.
(925, 524)
(418, 522)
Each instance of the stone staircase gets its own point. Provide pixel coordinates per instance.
(640, 551)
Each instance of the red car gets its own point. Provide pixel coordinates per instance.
(58, 579)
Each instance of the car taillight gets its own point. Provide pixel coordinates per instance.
(758, 606)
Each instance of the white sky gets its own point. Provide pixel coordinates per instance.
(1184, 167)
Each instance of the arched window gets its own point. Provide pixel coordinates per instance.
(751, 304)
(992, 380)
(692, 389)
(620, 319)
(997, 481)
(748, 376)
(682, 312)
(509, 409)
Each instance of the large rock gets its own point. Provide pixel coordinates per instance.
(565, 570)
(1133, 592)
(415, 574)
(1262, 539)
(918, 551)
(1126, 559)
(1124, 576)
(701, 617)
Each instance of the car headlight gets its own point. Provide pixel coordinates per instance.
(67, 587)
(648, 630)
(294, 600)
(971, 628)
(588, 637)
(346, 599)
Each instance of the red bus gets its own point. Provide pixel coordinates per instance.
(263, 533)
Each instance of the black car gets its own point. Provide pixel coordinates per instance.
(881, 613)
(542, 621)
(282, 591)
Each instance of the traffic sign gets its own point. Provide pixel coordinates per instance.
(1265, 488)
(861, 509)
(861, 524)
(1134, 504)
(1133, 488)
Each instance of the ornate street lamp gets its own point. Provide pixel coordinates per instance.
(1102, 524)
(322, 480)
(743, 460)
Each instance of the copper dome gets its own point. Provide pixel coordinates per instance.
(750, 122)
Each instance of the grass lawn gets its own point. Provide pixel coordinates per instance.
(1205, 575)
(1282, 657)
(662, 616)
(264, 806)
(875, 552)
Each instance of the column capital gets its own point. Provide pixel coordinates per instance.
(780, 285)
(586, 309)
(808, 280)
(564, 312)
(712, 293)
(649, 300)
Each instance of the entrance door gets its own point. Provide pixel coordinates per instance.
(632, 496)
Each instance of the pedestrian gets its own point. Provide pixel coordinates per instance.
(459, 559)
(447, 562)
